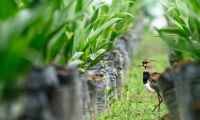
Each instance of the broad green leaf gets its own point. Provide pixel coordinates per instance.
(55, 45)
(7, 9)
(95, 61)
(75, 63)
(69, 48)
(103, 27)
(93, 56)
(172, 31)
(92, 36)
(105, 45)
(94, 16)
(77, 55)
(79, 5)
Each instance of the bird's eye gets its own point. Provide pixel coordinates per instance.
(145, 62)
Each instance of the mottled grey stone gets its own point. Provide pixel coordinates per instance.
(180, 88)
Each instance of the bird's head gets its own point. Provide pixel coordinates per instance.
(147, 63)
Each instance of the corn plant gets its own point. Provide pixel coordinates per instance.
(183, 33)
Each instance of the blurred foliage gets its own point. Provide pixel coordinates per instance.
(183, 34)
(41, 32)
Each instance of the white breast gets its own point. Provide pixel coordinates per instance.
(148, 87)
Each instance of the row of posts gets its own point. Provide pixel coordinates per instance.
(62, 92)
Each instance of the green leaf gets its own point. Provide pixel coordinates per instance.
(94, 16)
(93, 56)
(75, 63)
(105, 45)
(69, 48)
(7, 8)
(55, 45)
(85, 56)
(77, 55)
(103, 27)
(79, 5)
(172, 31)
(93, 35)
(97, 60)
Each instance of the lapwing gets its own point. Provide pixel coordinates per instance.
(150, 81)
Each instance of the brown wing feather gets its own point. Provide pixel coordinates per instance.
(154, 85)
(153, 78)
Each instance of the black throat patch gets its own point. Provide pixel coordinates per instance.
(146, 76)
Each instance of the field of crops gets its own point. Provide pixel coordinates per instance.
(78, 59)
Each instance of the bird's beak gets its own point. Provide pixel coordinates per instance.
(140, 65)
(153, 60)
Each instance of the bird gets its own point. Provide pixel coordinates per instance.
(150, 81)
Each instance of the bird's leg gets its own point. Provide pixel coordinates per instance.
(160, 97)
(159, 102)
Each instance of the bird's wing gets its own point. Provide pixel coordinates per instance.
(154, 76)
(154, 85)
(153, 79)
